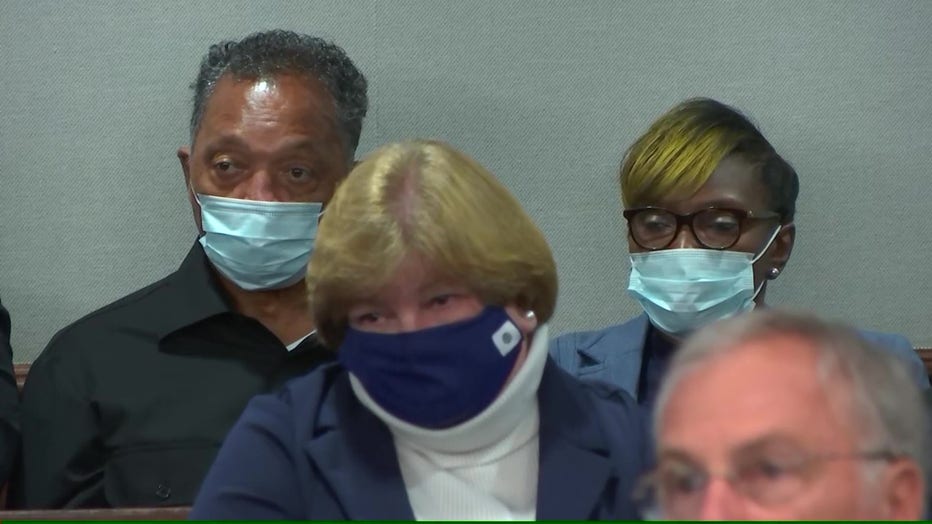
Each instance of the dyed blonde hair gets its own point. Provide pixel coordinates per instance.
(678, 154)
(426, 198)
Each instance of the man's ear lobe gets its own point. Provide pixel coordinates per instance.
(903, 491)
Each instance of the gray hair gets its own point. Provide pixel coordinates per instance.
(280, 52)
(885, 402)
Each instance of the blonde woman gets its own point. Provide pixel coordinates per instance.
(435, 287)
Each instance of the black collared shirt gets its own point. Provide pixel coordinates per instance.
(9, 400)
(129, 405)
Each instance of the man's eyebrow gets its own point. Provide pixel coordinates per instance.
(765, 441)
(675, 454)
(228, 140)
(287, 144)
(301, 143)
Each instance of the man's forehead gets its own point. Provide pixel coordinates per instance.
(747, 392)
(290, 93)
(285, 108)
(770, 357)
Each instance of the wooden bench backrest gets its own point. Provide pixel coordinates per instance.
(180, 513)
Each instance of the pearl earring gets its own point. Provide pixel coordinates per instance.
(773, 273)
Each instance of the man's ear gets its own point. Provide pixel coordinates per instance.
(184, 157)
(903, 491)
(783, 246)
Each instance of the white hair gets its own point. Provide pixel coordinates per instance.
(884, 403)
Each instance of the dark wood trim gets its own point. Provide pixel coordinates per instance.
(178, 513)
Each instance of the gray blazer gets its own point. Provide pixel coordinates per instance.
(613, 354)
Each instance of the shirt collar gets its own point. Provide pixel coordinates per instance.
(658, 345)
(192, 294)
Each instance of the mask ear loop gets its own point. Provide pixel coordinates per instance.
(761, 253)
(193, 192)
(767, 245)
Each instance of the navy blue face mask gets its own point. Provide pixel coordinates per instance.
(437, 377)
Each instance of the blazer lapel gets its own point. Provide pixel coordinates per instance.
(572, 480)
(575, 469)
(621, 350)
(355, 455)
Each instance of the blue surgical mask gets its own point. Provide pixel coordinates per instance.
(258, 245)
(437, 377)
(682, 290)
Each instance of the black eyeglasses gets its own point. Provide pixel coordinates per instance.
(655, 228)
(676, 489)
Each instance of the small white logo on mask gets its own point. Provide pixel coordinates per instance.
(506, 338)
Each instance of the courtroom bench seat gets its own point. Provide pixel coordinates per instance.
(179, 513)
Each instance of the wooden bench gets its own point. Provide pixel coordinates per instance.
(180, 513)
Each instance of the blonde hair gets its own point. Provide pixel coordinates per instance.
(425, 197)
(679, 152)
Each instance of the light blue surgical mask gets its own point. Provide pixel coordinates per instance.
(682, 290)
(256, 244)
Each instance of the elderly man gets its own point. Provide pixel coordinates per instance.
(774, 416)
(128, 406)
(9, 400)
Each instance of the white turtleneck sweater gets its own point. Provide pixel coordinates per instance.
(483, 469)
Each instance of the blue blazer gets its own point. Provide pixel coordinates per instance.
(613, 354)
(314, 452)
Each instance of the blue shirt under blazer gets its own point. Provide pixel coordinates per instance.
(614, 354)
(313, 451)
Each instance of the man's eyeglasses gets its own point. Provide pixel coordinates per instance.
(654, 228)
(676, 488)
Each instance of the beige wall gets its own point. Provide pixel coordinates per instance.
(95, 101)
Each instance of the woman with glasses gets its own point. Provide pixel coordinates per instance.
(435, 287)
(709, 206)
